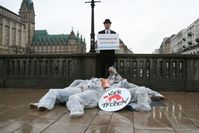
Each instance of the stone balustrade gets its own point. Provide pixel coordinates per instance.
(159, 72)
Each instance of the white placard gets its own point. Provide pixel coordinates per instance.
(107, 41)
(114, 99)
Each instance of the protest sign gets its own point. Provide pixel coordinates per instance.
(107, 41)
(114, 99)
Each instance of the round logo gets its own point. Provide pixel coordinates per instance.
(114, 99)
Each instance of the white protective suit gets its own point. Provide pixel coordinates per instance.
(90, 97)
(113, 77)
(140, 95)
(53, 96)
(86, 94)
(86, 99)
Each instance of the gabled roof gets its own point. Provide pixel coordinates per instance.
(40, 33)
(42, 36)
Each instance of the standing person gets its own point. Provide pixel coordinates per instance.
(106, 56)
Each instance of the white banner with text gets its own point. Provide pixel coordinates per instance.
(107, 41)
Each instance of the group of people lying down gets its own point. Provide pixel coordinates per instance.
(82, 94)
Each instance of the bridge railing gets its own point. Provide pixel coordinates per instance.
(159, 72)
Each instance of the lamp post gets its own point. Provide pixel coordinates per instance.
(92, 35)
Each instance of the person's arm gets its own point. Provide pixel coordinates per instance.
(101, 32)
(113, 32)
(118, 78)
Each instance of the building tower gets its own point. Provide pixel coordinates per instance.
(27, 14)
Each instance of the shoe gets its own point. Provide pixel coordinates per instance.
(42, 108)
(76, 114)
(157, 98)
(33, 105)
(129, 107)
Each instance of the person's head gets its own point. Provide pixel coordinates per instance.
(112, 70)
(105, 83)
(107, 24)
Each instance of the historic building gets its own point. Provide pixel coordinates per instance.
(165, 47)
(45, 43)
(156, 51)
(18, 34)
(12, 32)
(16, 31)
(123, 49)
(185, 41)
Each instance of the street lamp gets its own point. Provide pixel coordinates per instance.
(92, 35)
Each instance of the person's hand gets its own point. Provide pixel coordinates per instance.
(96, 45)
(112, 70)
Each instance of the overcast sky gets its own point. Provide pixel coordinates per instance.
(141, 24)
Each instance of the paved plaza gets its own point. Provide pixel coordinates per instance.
(180, 115)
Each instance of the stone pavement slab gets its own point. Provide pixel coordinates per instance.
(181, 115)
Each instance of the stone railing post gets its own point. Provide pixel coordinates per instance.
(2, 72)
(192, 81)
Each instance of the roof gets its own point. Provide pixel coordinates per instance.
(42, 36)
(9, 10)
(27, 3)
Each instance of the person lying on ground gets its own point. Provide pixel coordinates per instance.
(141, 96)
(53, 96)
(113, 77)
(86, 93)
(88, 98)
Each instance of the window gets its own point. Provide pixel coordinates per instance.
(7, 36)
(44, 49)
(49, 49)
(40, 49)
(53, 49)
(13, 37)
(1, 34)
(7, 22)
(19, 37)
(37, 48)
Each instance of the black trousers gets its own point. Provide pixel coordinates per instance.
(106, 60)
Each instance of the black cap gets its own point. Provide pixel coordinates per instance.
(107, 21)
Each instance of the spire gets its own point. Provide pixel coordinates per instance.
(78, 34)
(72, 32)
(27, 11)
(27, 14)
(27, 4)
